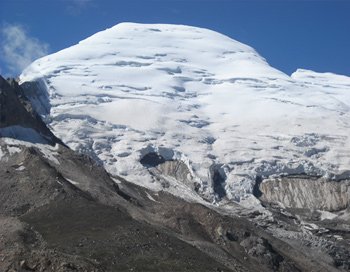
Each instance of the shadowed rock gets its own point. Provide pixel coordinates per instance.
(17, 116)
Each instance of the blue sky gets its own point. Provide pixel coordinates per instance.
(290, 34)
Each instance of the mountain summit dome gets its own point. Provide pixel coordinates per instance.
(139, 97)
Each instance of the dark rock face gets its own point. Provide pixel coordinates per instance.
(17, 114)
(152, 160)
(218, 183)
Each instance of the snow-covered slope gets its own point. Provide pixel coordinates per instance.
(194, 95)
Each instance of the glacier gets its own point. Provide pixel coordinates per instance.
(196, 96)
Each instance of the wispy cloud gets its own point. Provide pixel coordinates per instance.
(75, 7)
(18, 48)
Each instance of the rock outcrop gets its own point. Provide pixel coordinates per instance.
(17, 117)
(307, 193)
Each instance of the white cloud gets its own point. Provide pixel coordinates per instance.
(18, 48)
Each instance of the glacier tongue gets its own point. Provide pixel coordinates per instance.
(196, 96)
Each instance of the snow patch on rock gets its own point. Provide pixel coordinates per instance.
(13, 146)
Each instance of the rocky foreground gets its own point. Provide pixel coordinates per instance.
(61, 211)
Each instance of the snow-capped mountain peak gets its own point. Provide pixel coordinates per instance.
(197, 97)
